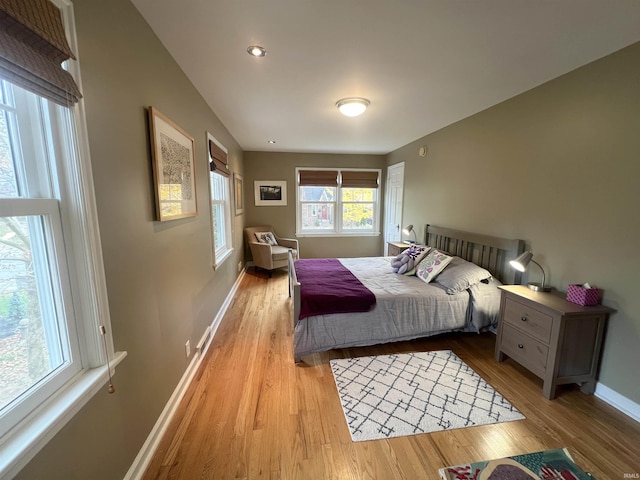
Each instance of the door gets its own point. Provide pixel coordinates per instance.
(393, 204)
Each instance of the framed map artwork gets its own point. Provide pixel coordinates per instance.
(174, 173)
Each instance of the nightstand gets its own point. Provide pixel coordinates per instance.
(396, 248)
(557, 340)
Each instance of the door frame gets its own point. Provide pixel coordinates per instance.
(393, 202)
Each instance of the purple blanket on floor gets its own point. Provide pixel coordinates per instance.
(327, 286)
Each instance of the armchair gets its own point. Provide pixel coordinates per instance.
(266, 256)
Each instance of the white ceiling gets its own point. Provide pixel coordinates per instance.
(424, 64)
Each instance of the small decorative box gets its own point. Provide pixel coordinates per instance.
(583, 296)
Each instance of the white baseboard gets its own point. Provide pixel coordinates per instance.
(617, 401)
(142, 460)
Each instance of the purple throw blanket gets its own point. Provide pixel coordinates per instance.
(327, 286)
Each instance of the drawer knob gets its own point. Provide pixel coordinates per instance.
(520, 345)
(524, 319)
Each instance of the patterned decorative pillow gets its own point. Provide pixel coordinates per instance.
(432, 265)
(266, 237)
(418, 253)
(406, 262)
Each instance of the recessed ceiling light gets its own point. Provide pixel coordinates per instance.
(256, 50)
(271, 141)
(352, 106)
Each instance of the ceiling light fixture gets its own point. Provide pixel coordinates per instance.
(256, 51)
(271, 141)
(352, 106)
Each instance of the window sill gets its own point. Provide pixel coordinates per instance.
(333, 234)
(22, 443)
(223, 257)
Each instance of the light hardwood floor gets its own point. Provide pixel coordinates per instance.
(252, 413)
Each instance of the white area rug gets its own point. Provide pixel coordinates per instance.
(395, 395)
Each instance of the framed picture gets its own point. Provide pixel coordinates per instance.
(238, 190)
(270, 193)
(174, 173)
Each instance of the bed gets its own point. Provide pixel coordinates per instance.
(406, 307)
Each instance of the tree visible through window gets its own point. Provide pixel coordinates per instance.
(219, 200)
(37, 327)
(358, 208)
(219, 186)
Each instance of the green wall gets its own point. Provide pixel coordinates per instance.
(282, 166)
(162, 288)
(558, 167)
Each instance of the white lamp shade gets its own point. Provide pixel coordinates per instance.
(521, 262)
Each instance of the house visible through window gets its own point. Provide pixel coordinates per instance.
(337, 201)
(220, 201)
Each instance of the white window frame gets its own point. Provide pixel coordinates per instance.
(338, 231)
(72, 214)
(223, 252)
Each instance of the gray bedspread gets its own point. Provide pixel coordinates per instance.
(406, 308)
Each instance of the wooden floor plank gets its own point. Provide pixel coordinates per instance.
(251, 413)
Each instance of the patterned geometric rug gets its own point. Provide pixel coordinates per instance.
(395, 395)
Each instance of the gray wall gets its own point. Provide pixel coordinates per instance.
(162, 288)
(282, 166)
(558, 167)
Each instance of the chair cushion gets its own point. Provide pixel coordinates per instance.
(281, 253)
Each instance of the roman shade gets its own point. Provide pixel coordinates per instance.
(218, 161)
(318, 178)
(33, 46)
(359, 179)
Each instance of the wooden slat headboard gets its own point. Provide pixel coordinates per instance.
(492, 253)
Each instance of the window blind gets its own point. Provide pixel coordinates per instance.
(219, 160)
(318, 178)
(359, 179)
(33, 46)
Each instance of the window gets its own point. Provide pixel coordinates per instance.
(39, 349)
(337, 202)
(220, 201)
(52, 296)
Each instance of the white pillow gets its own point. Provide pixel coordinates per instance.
(266, 237)
(432, 265)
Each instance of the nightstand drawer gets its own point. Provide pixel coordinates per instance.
(525, 350)
(533, 322)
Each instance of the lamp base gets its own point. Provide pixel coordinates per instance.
(408, 242)
(536, 287)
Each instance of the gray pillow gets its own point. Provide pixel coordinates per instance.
(460, 275)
